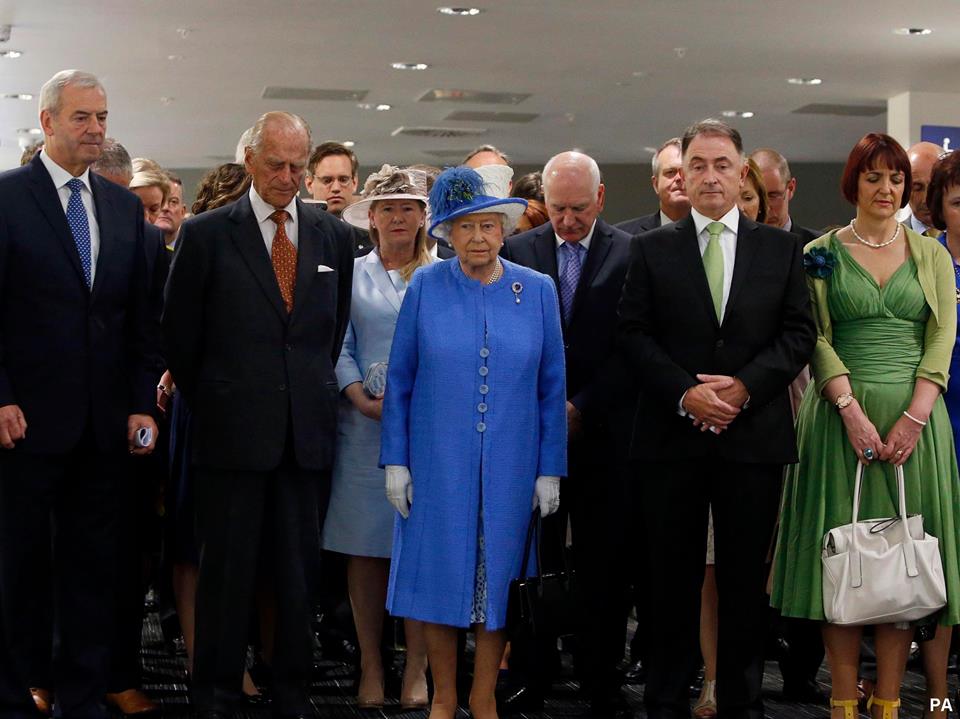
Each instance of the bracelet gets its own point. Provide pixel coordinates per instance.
(911, 417)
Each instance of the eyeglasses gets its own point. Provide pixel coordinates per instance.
(326, 180)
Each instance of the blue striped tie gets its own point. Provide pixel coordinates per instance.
(79, 227)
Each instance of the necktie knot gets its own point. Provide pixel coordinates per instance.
(714, 229)
(279, 216)
(75, 185)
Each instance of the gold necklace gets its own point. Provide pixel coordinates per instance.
(496, 274)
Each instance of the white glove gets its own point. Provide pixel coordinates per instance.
(400, 488)
(546, 495)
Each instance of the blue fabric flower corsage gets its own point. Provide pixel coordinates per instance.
(819, 263)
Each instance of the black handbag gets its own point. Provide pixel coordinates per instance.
(545, 604)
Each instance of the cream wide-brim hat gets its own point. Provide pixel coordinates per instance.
(378, 188)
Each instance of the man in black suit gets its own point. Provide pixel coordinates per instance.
(781, 186)
(79, 360)
(332, 177)
(256, 309)
(587, 259)
(715, 319)
(668, 186)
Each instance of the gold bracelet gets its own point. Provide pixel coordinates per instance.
(911, 417)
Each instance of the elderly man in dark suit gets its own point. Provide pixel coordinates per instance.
(781, 186)
(79, 361)
(256, 309)
(587, 259)
(668, 186)
(715, 319)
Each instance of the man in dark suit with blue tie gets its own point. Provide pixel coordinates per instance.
(79, 360)
(587, 259)
(715, 320)
(257, 305)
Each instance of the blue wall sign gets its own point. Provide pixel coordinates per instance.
(947, 137)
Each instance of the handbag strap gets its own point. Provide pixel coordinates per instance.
(909, 548)
(533, 532)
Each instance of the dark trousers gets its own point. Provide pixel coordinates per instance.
(245, 521)
(676, 497)
(64, 507)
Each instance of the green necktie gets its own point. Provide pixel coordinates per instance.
(713, 266)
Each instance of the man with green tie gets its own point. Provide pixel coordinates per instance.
(715, 322)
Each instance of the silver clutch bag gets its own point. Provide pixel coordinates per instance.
(375, 382)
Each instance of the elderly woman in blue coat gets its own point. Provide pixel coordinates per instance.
(359, 522)
(474, 433)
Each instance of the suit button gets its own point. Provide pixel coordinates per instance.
(484, 371)
(719, 344)
(289, 348)
(481, 427)
(282, 388)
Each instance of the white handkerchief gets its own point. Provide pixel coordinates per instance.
(324, 268)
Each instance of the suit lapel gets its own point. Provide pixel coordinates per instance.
(249, 242)
(746, 249)
(108, 237)
(309, 237)
(545, 250)
(375, 270)
(689, 251)
(41, 185)
(600, 246)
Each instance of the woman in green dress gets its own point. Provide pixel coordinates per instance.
(885, 305)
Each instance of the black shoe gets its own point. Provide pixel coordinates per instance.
(805, 691)
(210, 714)
(512, 700)
(610, 705)
(256, 701)
(634, 673)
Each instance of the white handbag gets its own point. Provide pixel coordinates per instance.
(877, 572)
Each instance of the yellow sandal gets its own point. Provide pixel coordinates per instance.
(849, 707)
(888, 705)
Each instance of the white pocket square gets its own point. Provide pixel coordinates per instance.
(324, 268)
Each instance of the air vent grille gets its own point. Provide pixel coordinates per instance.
(820, 108)
(489, 98)
(484, 116)
(439, 132)
(275, 92)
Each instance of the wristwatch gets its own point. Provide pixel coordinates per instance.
(844, 400)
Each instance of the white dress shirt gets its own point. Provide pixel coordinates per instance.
(728, 245)
(664, 220)
(268, 228)
(60, 179)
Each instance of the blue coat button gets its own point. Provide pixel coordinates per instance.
(484, 389)
(482, 407)
(481, 427)
(484, 371)
(484, 353)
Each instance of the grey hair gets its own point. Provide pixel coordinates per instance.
(486, 148)
(713, 127)
(242, 144)
(114, 160)
(655, 162)
(571, 159)
(51, 94)
(775, 158)
(260, 126)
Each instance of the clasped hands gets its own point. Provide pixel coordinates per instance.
(13, 428)
(400, 491)
(715, 402)
(896, 448)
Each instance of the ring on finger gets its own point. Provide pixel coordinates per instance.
(898, 453)
(868, 453)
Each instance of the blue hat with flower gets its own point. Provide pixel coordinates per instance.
(460, 191)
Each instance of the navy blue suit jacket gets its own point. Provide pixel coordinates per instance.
(253, 374)
(73, 359)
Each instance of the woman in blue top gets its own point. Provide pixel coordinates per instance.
(943, 199)
(474, 432)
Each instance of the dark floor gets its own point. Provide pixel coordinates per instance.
(165, 681)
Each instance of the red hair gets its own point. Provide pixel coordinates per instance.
(875, 151)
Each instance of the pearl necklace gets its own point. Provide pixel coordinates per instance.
(874, 245)
(496, 274)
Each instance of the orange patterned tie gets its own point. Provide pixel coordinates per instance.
(284, 258)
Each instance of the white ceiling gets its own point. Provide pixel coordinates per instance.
(577, 58)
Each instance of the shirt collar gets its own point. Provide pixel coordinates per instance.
(731, 220)
(584, 243)
(917, 225)
(262, 210)
(60, 176)
(788, 225)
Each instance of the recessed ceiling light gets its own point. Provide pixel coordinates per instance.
(464, 11)
(349, 143)
(174, 58)
(804, 80)
(29, 131)
(640, 73)
(912, 31)
(11, 53)
(382, 107)
(651, 150)
(409, 65)
(167, 100)
(18, 96)
(737, 113)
